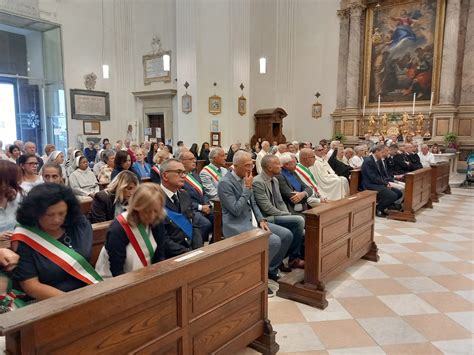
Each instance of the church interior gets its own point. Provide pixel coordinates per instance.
(237, 176)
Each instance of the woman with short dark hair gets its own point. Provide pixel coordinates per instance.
(29, 166)
(123, 161)
(54, 243)
(136, 238)
(14, 152)
(204, 155)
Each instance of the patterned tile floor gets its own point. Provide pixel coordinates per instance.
(418, 299)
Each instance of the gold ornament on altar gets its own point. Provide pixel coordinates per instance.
(419, 124)
(372, 123)
(405, 129)
(384, 127)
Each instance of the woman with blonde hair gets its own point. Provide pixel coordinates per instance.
(112, 201)
(136, 238)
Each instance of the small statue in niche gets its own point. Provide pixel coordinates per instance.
(372, 124)
(384, 124)
(419, 123)
(405, 123)
(90, 80)
(156, 45)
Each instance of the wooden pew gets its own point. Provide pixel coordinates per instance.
(417, 195)
(99, 233)
(337, 234)
(178, 306)
(439, 180)
(145, 179)
(217, 228)
(355, 181)
(85, 205)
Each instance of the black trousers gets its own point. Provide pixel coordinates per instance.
(387, 197)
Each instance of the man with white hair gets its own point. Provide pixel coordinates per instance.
(211, 174)
(426, 157)
(30, 148)
(282, 148)
(264, 151)
(347, 156)
(358, 158)
(304, 170)
(332, 146)
(330, 184)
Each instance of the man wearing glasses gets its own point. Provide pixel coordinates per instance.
(180, 225)
(241, 214)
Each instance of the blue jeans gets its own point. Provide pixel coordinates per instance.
(295, 224)
(278, 244)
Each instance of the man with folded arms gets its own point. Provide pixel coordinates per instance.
(268, 197)
(241, 214)
(212, 173)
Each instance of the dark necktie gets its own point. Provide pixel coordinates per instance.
(273, 193)
(176, 200)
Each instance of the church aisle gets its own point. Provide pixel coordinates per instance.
(418, 299)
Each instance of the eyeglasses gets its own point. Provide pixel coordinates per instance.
(32, 163)
(178, 171)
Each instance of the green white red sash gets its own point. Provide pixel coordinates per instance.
(155, 168)
(211, 170)
(194, 183)
(307, 176)
(139, 239)
(66, 258)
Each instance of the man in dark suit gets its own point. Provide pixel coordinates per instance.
(373, 178)
(193, 185)
(182, 231)
(340, 168)
(401, 162)
(413, 156)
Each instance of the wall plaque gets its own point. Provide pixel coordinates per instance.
(28, 8)
(90, 105)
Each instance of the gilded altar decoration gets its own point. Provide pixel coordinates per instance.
(372, 124)
(384, 125)
(405, 124)
(419, 124)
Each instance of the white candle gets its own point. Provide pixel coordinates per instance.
(431, 103)
(378, 108)
(363, 108)
(414, 100)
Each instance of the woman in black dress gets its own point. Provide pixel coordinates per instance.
(54, 243)
(123, 161)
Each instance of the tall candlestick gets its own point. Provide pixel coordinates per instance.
(431, 102)
(378, 108)
(363, 108)
(414, 100)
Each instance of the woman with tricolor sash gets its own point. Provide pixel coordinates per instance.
(54, 242)
(136, 238)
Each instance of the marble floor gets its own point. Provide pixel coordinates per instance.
(418, 299)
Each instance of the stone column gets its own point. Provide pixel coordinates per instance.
(342, 63)
(450, 53)
(353, 58)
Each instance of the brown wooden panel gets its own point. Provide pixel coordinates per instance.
(442, 127)
(465, 127)
(362, 240)
(224, 284)
(172, 345)
(85, 206)
(230, 324)
(99, 234)
(336, 257)
(362, 216)
(337, 127)
(335, 229)
(349, 128)
(354, 181)
(121, 336)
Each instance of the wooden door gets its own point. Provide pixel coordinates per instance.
(157, 121)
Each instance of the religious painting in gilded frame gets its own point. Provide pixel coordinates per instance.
(403, 42)
(242, 105)
(186, 103)
(215, 105)
(317, 110)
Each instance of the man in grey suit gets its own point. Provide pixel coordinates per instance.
(240, 213)
(268, 197)
(211, 174)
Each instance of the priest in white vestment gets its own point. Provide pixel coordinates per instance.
(330, 185)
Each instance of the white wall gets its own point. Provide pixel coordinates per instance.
(299, 38)
(211, 41)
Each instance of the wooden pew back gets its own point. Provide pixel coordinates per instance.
(417, 195)
(99, 234)
(337, 234)
(439, 180)
(85, 205)
(355, 181)
(178, 306)
(217, 228)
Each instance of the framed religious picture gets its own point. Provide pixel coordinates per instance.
(317, 110)
(90, 105)
(153, 69)
(242, 106)
(186, 103)
(91, 127)
(215, 139)
(403, 42)
(215, 105)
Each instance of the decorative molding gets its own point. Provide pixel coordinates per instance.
(356, 9)
(344, 14)
(155, 93)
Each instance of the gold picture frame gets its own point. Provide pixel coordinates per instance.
(317, 110)
(242, 105)
(215, 104)
(91, 128)
(397, 31)
(153, 69)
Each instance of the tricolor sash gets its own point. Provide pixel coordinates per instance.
(155, 168)
(181, 221)
(66, 258)
(139, 239)
(194, 183)
(307, 176)
(211, 170)
(11, 299)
